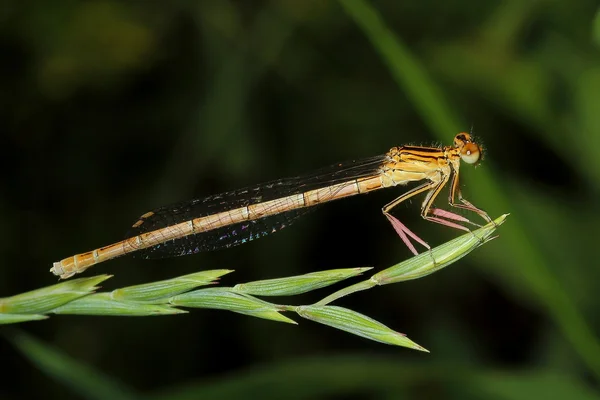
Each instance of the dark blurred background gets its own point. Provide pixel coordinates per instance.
(110, 109)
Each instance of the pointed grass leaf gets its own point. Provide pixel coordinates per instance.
(104, 304)
(439, 257)
(82, 379)
(357, 324)
(16, 318)
(425, 263)
(294, 285)
(227, 299)
(50, 297)
(170, 287)
(596, 28)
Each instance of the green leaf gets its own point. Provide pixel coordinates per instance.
(226, 299)
(596, 28)
(441, 256)
(104, 304)
(406, 69)
(297, 284)
(357, 324)
(50, 297)
(531, 384)
(16, 318)
(387, 376)
(82, 379)
(425, 263)
(168, 288)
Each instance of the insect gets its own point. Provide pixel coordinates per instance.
(235, 217)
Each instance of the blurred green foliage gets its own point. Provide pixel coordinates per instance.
(109, 109)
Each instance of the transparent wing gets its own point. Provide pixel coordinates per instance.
(224, 237)
(235, 234)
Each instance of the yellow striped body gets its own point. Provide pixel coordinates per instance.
(401, 165)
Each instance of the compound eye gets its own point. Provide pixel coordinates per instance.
(470, 153)
(461, 139)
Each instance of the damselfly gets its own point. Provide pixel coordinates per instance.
(235, 217)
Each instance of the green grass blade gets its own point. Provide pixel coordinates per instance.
(227, 299)
(422, 91)
(357, 324)
(385, 377)
(83, 380)
(425, 263)
(596, 28)
(440, 257)
(164, 289)
(103, 304)
(294, 285)
(50, 297)
(16, 318)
